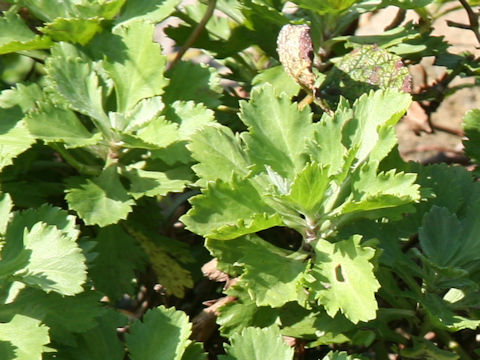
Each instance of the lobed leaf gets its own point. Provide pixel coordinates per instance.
(163, 334)
(277, 132)
(344, 279)
(133, 61)
(56, 124)
(16, 36)
(255, 343)
(228, 210)
(99, 201)
(219, 154)
(27, 337)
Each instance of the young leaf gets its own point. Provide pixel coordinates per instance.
(99, 201)
(133, 61)
(163, 334)
(344, 279)
(277, 132)
(27, 336)
(255, 343)
(326, 147)
(308, 189)
(228, 210)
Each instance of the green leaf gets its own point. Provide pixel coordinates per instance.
(28, 337)
(471, 126)
(16, 36)
(326, 7)
(191, 81)
(308, 189)
(326, 147)
(409, 4)
(100, 342)
(74, 30)
(99, 201)
(56, 262)
(442, 316)
(277, 133)
(6, 206)
(244, 312)
(424, 349)
(372, 191)
(155, 183)
(146, 10)
(190, 117)
(219, 154)
(439, 236)
(48, 10)
(47, 238)
(255, 343)
(272, 275)
(25, 96)
(133, 61)
(119, 256)
(341, 355)
(83, 309)
(14, 136)
(142, 113)
(228, 210)
(279, 79)
(56, 124)
(194, 351)
(364, 69)
(371, 131)
(75, 79)
(344, 279)
(163, 335)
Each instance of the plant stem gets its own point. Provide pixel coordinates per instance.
(472, 18)
(195, 34)
(452, 344)
(80, 167)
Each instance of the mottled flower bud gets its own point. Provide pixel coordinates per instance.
(295, 49)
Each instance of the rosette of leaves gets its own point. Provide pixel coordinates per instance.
(119, 123)
(314, 178)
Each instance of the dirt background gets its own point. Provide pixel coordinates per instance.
(450, 113)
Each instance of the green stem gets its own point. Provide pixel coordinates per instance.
(452, 344)
(195, 34)
(80, 167)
